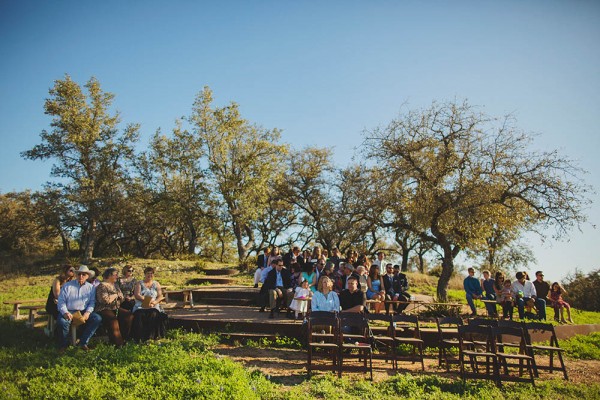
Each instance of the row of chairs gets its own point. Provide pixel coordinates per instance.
(342, 338)
(483, 349)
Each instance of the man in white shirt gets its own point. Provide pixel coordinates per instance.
(523, 291)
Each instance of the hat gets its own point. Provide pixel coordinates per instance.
(83, 269)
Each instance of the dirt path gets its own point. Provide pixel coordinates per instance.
(288, 367)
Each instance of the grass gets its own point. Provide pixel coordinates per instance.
(584, 347)
(183, 366)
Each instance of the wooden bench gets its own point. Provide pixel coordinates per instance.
(17, 306)
(32, 313)
(187, 296)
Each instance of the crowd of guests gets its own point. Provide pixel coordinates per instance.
(327, 282)
(127, 308)
(529, 297)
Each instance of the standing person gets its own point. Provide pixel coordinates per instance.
(379, 261)
(126, 284)
(77, 298)
(390, 286)
(67, 274)
(116, 319)
(149, 321)
(556, 297)
(278, 285)
(487, 285)
(324, 299)
(523, 292)
(401, 282)
(506, 300)
(472, 290)
(302, 295)
(542, 289)
(263, 294)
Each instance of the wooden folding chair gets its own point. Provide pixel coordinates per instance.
(503, 337)
(322, 341)
(475, 358)
(447, 340)
(354, 343)
(382, 340)
(546, 331)
(406, 330)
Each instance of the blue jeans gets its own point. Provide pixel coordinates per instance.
(471, 303)
(540, 304)
(490, 307)
(89, 328)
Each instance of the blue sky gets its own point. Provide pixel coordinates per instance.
(320, 71)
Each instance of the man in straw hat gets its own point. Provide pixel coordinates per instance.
(76, 303)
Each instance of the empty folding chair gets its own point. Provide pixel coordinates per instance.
(448, 340)
(475, 362)
(544, 332)
(354, 342)
(406, 331)
(504, 337)
(322, 341)
(382, 339)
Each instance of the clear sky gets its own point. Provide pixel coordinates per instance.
(321, 71)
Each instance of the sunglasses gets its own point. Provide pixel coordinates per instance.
(128, 270)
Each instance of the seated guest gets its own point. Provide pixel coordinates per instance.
(401, 283)
(352, 299)
(487, 285)
(93, 279)
(116, 319)
(278, 286)
(149, 321)
(524, 291)
(472, 290)
(263, 294)
(375, 289)
(261, 264)
(67, 274)
(77, 297)
(302, 295)
(361, 271)
(127, 285)
(559, 304)
(542, 289)
(324, 299)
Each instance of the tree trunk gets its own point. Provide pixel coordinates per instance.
(405, 253)
(90, 241)
(447, 269)
(193, 239)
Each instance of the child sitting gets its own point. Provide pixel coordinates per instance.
(556, 293)
(301, 296)
(506, 301)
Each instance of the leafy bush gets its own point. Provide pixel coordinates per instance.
(584, 290)
(585, 347)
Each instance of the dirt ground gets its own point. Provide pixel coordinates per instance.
(288, 367)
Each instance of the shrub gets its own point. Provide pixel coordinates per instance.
(584, 290)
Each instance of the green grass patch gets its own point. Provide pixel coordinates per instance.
(584, 347)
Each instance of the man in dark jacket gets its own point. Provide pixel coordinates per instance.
(278, 286)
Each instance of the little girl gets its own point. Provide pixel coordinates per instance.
(302, 293)
(556, 293)
(506, 301)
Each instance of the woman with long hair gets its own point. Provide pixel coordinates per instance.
(67, 274)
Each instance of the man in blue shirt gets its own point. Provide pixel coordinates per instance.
(472, 289)
(77, 296)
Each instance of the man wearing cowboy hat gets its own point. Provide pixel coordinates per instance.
(77, 296)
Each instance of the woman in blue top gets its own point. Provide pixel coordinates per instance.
(325, 299)
(308, 274)
(375, 290)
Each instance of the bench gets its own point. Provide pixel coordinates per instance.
(187, 296)
(32, 313)
(17, 306)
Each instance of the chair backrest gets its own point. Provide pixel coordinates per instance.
(324, 319)
(483, 322)
(379, 317)
(474, 332)
(511, 324)
(353, 320)
(508, 334)
(541, 327)
(447, 322)
(407, 321)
